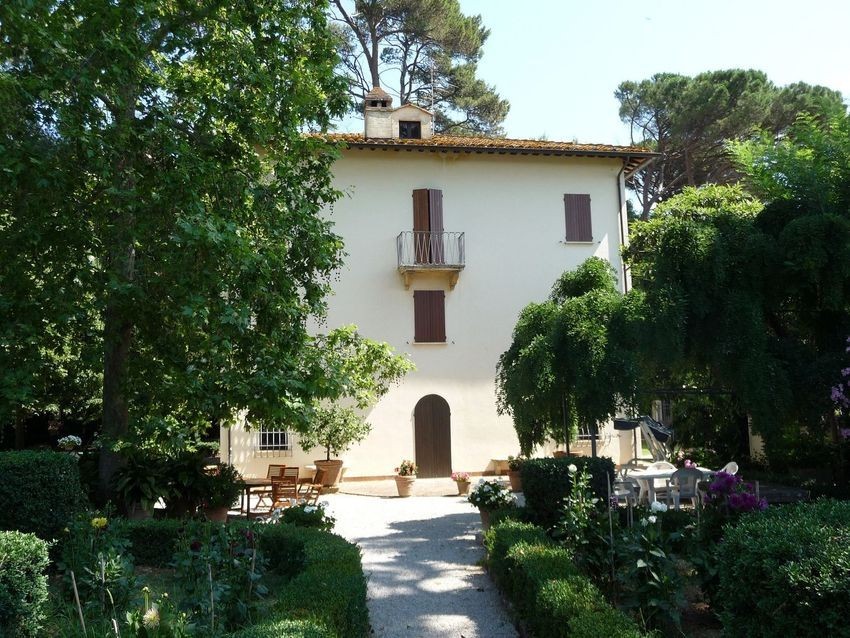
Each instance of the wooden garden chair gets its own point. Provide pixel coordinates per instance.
(311, 491)
(284, 491)
(264, 494)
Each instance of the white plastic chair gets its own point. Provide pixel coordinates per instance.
(683, 484)
(660, 486)
(730, 468)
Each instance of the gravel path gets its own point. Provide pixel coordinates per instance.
(421, 557)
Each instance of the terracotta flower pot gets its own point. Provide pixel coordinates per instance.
(333, 472)
(216, 514)
(462, 488)
(404, 484)
(515, 478)
(485, 519)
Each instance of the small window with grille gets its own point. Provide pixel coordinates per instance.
(273, 441)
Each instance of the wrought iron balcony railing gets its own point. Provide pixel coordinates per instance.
(427, 250)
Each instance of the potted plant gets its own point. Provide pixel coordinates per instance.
(336, 429)
(514, 472)
(139, 484)
(488, 496)
(462, 480)
(405, 477)
(223, 486)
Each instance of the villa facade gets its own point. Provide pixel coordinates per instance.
(447, 239)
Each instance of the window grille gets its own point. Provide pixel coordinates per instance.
(272, 442)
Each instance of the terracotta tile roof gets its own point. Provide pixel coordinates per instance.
(635, 156)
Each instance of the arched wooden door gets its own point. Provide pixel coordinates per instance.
(433, 436)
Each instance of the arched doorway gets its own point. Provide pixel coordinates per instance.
(433, 436)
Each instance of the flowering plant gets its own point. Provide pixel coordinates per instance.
(407, 468)
(730, 490)
(69, 443)
(460, 477)
(491, 495)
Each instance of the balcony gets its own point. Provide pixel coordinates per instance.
(425, 251)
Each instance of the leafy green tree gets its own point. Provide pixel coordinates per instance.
(751, 297)
(355, 373)
(689, 120)
(432, 49)
(572, 357)
(202, 254)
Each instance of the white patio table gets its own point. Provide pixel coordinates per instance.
(646, 479)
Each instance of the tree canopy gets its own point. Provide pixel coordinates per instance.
(752, 296)
(571, 357)
(159, 191)
(690, 119)
(430, 49)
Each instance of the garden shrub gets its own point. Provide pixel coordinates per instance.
(40, 492)
(786, 571)
(546, 588)
(277, 628)
(23, 584)
(546, 482)
(153, 542)
(330, 591)
(501, 537)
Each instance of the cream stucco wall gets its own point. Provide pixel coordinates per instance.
(511, 210)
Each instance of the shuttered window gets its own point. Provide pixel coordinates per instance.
(577, 210)
(429, 316)
(428, 226)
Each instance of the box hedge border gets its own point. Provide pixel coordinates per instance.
(548, 593)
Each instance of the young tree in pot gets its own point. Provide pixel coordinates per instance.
(335, 429)
(351, 369)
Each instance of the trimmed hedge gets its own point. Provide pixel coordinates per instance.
(39, 492)
(786, 571)
(23, 584)
(546, 482)
(546, 588)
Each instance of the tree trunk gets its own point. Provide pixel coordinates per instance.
(20, 430)
(117, 323)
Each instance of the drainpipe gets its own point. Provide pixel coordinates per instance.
(622, 222)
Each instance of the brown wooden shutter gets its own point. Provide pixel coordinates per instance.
(435, 217)
(421, 225)
(429, 316)
(577, 211)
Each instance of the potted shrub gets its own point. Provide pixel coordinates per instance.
(462, 480)
(405, 477)
(139, 484)
(514, 472)
(488, 496)
(223, 486)
(336, 429)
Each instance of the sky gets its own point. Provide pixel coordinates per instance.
(559, 62)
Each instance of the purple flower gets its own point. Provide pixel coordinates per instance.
(844, 433)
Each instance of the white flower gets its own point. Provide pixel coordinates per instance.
(652, 519)
(151, 618)
(658, 507)
(644, 522)
(572, 468)
(309, 509)
(293, 502)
